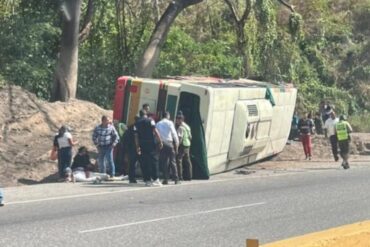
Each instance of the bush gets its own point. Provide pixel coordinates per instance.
(360, 122)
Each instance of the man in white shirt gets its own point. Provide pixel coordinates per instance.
(329, 128)
(167, 157)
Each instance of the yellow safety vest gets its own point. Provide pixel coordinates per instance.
(342, 132)
(121, 129)
(186, 139)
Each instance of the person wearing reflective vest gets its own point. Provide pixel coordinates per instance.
(343, 130)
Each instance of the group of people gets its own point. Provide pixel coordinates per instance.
(152, 145)
(337, 130)
(164, 146)
(78, 169)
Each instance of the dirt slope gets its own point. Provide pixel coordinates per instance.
(27, 127)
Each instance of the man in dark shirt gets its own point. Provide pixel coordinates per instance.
(128, 141)
(146, 138)
(82, 159)
(149, 114)
(318, 124)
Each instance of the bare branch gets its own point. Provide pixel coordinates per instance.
(233, 10)
(247, 11)
(291, 7)
(87, 23)
(189, 2)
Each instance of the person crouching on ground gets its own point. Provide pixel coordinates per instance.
(105, 138)
(82, 160)
(305, 127)
(63, 142)
(343, 130)
(82, 168)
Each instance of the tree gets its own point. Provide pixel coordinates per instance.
(65, 77)
(239, 22)
(151, 54)
(66, 72)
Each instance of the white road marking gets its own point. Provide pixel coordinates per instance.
(204, 182)
(170, 217)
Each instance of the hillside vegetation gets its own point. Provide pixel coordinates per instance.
(322, 47)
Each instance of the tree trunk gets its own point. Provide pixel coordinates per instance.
(239, 24)
(65, 77)
(87, 23)
(242, 45)
(151, 54)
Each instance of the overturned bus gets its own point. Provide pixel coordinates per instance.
(233, 122)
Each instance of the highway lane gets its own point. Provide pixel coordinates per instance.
(215, 213)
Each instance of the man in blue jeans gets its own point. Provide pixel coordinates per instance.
(105, 138)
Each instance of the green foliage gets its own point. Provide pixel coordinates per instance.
(266, 17)
(212, 58)
(314, 92)
(360, 122)
(322, 47)
(2, 82)
(28, 51)
(295, 24)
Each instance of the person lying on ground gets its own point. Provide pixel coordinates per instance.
(82, 169)
(81, 175)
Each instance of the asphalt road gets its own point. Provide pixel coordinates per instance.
(223, 212)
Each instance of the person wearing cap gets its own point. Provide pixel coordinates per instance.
(146, 138)
(63, 142)
(343, 130)
(105, 138)
(167, 156)
(329, 129)
(184, 165)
